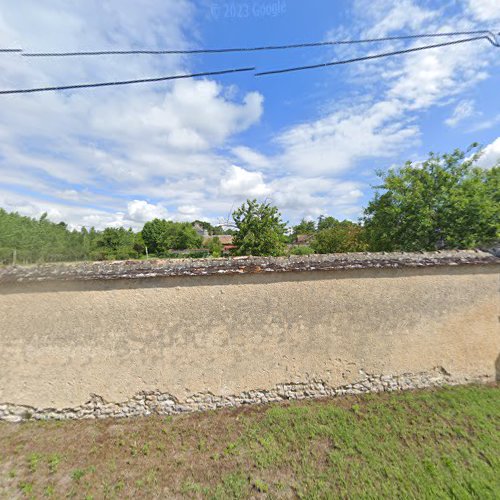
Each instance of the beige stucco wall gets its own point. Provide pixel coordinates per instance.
(61, 342)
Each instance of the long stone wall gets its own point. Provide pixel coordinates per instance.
(135, 338)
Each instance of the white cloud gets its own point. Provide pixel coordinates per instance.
(382, 122)
(127, 154)
(485, 124)
(388, 16)
(141, 141)
(485, 10)
(491, 154)
(429, 76)
(251, 157)
(142, 211)
(464, 109)
(334, 144)
(193, 116)
(243, 183)
(317, 196)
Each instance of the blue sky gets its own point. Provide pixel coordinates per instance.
(309, 142)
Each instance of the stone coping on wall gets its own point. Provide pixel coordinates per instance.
(156, 268)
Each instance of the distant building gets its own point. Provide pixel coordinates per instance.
(225, 239)
(200, 230)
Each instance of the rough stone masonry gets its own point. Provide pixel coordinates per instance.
(117, 339)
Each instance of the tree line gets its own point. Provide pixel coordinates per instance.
(445, 202)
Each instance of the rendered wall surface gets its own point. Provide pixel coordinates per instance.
(62, 341)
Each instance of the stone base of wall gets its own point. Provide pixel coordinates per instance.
(158, 403)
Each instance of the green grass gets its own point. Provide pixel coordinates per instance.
(424, 444)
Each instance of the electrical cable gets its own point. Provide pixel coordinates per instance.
(374, 56)
(254, 49)
(125, 82)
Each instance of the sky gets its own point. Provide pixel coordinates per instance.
(309, 142)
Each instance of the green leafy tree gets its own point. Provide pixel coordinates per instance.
(115, 243)
(327, 222)
(224, 230)
(339, 236)
(304, 227)
(445, 202)
(160, 236)
(139, 245)
(260, 229)
(153, 234)
(37, 240)
(40, 240)
(215, 247)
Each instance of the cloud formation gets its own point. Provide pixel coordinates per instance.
(189, 149)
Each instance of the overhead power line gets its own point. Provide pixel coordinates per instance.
(256, 49)
(376, 56)
(240, 70)
(11, 50)
(125, 82)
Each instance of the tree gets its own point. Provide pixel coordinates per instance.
(153, 233)
(304, 227)
(215, 247)
(160, 236)
(115, 243)
(224, 230)
(445, 202)
(260, 229)
(327, 222)
(342, 237)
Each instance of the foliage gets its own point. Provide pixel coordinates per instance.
(161, 235)
(39, 240)
(224, 230)
(115, 243)
(339, 236)
(302, 250)
(446, 202)
(28, 240)
(215, 247)
(260, 229)
(325, 222)
(304, 227)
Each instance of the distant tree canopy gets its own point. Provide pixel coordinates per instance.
(32, 240)
(260, 230)
(445, 202)
(304, 227)
(117, 243)
(327, 222)
(26, 240)
(338, 236)
(161, 236)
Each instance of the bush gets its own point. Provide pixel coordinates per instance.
(302, 251)
(342, 237)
